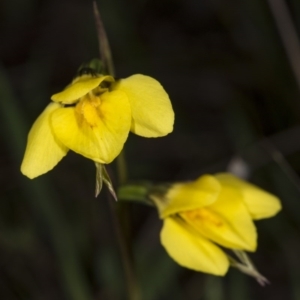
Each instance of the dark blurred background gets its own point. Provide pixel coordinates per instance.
(236, 99)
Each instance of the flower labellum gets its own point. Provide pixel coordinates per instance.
(93, 116)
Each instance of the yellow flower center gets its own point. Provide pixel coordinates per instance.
(87, 109)
(199, 216)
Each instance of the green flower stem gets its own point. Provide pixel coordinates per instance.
(246, 266)
(105, 53)
(123, 230)
(122, 168)
(120, 212)
(137, 192)
(41, 197)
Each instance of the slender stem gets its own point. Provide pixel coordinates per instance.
(122, 168)
(125, 251)
(122, 223)
(123, 212)
(120, 211)
(104, 48)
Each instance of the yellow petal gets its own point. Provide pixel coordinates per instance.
(43, 150)
(152, 113)
(226, 222)
(190, 250)
(180, 197)
(101, 133)
(78, 88)
(260, 203)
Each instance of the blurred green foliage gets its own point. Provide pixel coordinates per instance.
(234, 94)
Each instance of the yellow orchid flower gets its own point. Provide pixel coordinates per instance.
(213, 210)
(93, 116)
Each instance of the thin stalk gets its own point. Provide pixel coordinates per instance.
(124, 224)
(104, 48)
(120, 212)
(122, 168)
(125, 250)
